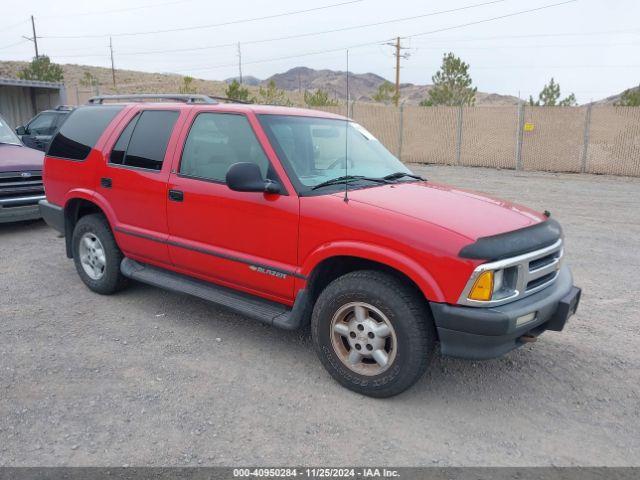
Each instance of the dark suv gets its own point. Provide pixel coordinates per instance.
(39, 131)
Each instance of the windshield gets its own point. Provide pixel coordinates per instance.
(313, 150)
(7, 135)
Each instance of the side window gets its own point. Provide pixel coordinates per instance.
(43, 124)
(120, 148)
(148, 139)
(218, 140)
(81, 130)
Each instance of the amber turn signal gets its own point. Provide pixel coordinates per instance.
(483, 287)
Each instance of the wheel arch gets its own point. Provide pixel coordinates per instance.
(327, 265)
(76, 206)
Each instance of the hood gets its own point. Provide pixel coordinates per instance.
(15, 158)
(466, 213)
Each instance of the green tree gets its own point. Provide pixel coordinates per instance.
(272, 95)
(630, 98)
(386, 93)
(41, 68)
(452, 84)
(319, 98)
(550, 97)
(235, 91)
(187, 85)
(88, 80)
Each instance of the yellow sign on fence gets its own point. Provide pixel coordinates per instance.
(529, 127)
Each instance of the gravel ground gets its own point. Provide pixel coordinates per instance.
(149, 377)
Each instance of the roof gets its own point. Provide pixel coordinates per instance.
(211, 102)
(231, 107)
(16, 82)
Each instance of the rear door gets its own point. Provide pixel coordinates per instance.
(134, 178)
(246, 240)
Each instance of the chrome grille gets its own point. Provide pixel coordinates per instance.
(535, 271)
(20, 188)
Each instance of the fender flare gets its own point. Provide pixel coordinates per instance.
(89, 196)
(392, 258)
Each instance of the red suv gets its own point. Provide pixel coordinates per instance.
(298, 217)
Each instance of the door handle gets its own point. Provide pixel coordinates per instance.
(106, 182)
(176, 195)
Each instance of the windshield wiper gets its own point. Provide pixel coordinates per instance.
(397, 175)
(348, 178)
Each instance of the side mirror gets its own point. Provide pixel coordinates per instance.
(247, 177)
(21, 131)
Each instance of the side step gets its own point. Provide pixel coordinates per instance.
(265, 311)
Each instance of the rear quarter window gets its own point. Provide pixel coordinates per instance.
(81, 130)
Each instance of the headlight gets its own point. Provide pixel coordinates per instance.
(483, 287)
(494, 285)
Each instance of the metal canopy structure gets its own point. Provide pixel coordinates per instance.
(20, 100)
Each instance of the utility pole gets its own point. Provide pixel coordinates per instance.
(240, 63)
(113, 70)
(33, 39)
(399, 55)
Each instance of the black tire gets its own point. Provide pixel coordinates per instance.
(408, 314)
(112, 280)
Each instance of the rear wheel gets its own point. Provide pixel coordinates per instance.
(96, 255)
(373, 333)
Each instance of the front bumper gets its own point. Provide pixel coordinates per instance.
(481, 333)
(19, 209)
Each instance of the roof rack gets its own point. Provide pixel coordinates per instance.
(178, 97)
(231, 100)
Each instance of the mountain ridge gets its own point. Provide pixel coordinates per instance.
(294, 81)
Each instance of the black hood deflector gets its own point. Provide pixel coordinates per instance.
(511, 244)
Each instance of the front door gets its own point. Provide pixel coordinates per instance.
(246, 240)
(134, 183)
(39, 131)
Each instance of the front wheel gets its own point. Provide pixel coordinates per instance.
(373, 333)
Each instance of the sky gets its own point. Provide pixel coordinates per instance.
(589, 46)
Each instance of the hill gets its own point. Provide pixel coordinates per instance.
(246, 80)
(295, 81)
(362, 86)
(614, 99)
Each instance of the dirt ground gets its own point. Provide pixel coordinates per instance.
(148, 377)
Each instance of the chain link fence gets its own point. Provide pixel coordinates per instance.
(592, 139)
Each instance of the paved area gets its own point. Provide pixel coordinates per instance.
(149, 377)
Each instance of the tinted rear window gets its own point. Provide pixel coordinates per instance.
(81, 130)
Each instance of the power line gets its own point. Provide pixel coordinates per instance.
(309, 34)
(317, 52)
(557, 45)
(478, 22)
(8, 27)
(213, 25)
(633, 31)
(117, 10)
(493, 67)
(14, 44)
